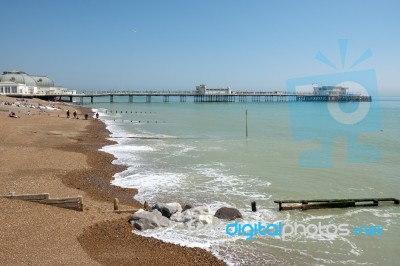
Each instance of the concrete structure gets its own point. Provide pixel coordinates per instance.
(237, 96)
(21, 83)
(329, 90)
(8, 87)
(203, 90)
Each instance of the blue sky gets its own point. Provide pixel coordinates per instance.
(180, 44)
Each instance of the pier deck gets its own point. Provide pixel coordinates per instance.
(239, 96)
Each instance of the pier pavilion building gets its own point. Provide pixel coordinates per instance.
(203, 90)
(19, 82)
(330, 90)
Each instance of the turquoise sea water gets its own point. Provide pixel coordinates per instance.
(198, 153)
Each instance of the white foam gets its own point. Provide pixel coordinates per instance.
(123, 149)
(210, 237)
(181, 149)
(232, 188)
(149, 183)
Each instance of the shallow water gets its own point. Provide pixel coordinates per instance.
(198, 153)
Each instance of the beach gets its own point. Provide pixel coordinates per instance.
(44, 152)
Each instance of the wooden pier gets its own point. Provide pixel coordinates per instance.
(331, 203)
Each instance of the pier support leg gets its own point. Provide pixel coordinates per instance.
(111, 98)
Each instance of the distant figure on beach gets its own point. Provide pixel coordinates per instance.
(97, 115)
(12, 114)
(67, 113)
(86, 116)
(74, 114)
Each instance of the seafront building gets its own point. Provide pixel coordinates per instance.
(329, 90)
(203, 90)
(21, 83)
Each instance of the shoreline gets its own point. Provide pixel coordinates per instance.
(97, 181)
(48, 153)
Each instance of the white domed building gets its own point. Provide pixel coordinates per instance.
(21, 83)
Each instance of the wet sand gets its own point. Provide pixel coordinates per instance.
(47, 153)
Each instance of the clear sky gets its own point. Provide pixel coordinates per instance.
(172, 44)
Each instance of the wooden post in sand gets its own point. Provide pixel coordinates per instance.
(116, 201)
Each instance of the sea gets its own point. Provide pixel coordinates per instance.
(199, 154)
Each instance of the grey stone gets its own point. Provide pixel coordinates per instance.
(167, 209)
(143, 220)
(186, 207)
(228, 213)
(194, 216)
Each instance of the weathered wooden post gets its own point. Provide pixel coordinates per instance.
(116, 202)
(253, 206)
(247, 132)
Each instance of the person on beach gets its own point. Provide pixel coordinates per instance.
(86, 116)
(97, 115)
(13, 115)
(74, 114)
(67, 113)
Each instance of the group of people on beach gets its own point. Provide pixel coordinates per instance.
(41, 107)
(26, 104)
(75, 114)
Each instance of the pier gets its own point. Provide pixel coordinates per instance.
(193, 96)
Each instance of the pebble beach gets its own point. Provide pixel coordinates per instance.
(44, 152)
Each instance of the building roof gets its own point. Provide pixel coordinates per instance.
(24, 78)
(43, 81)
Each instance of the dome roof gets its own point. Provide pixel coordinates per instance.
(28, 80)
(43, 81)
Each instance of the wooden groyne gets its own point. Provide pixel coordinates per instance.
(118, 210)
(74, 203)
(330, 203)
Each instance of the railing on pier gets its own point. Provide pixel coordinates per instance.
(137, 93)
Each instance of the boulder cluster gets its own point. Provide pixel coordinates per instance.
(161, 215)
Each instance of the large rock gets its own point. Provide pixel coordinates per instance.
(167, 209)
(186, 207)
(228, 213)
(194, 216)
(144, 220)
